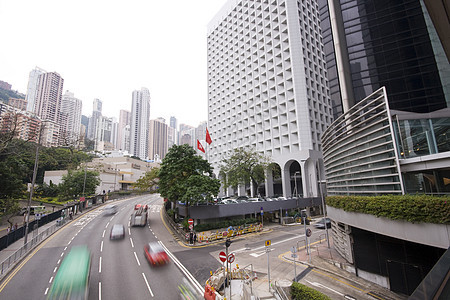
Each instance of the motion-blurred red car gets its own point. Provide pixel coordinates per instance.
(155, 254)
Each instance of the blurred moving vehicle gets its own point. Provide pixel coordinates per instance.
(321, 223)
(139, 215)
(72, 279)
(117, 232)
(155, 254)
(111, 209)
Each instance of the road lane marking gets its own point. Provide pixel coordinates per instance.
(62, 254)
(46, 291)
(100, 265)
(350, 285)
(59, 260)
(132, 245)
(316, 284)
(107, 225)
(137, 259)
(129, 231)
(51, 279)
(148, 286)
(103, 235)
(101, 247)
(188, 275)
(65, 248)
(99, 290)
(54, 270)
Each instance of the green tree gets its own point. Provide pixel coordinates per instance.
(201, 188)
(184, 172)
(72, 184)
(148, 182)
(244, 166)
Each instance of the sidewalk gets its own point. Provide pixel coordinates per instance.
(328, 261)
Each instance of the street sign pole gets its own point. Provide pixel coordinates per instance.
(295, 264)
(268, 265)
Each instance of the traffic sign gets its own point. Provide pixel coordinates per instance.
(308, 232)
(191, 221)
(231, 258)
(267, 243)
(222, 256)
(191, 227)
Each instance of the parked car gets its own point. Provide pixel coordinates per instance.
(255, 200)
(240, 198)
(155, 254)
(117, 232)
(281, 198)
(321, 223)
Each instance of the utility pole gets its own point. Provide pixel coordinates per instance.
(36, 159)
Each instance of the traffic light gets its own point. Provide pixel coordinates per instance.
(228, 243)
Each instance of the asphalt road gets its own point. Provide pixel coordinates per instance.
(119, 269)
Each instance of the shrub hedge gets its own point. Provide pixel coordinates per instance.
(411, 208)
(300, 292)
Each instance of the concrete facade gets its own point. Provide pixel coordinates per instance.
(267, 87)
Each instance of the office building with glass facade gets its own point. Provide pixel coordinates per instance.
(389, 78)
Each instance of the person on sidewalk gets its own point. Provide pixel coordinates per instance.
(195, 237)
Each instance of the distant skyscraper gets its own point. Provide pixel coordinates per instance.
(48, 96)
(123, 142)
(157, 141)
(71, 107)
(173, 122)
(187, 135)
(140, 117)
(104, 134)
(96, 114)
(33, 81)
(173, 132)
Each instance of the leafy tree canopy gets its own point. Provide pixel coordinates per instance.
(72, 184)
(148, 182)
(243, 166)
(184, 172)
(201, 188)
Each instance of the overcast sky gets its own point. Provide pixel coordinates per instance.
(106, 49)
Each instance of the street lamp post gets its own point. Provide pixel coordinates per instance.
(324, 211)
(33, 182)
(295, 182)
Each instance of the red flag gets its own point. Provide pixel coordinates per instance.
(208, 137)
(200, 147)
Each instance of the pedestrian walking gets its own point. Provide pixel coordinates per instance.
(191, 238)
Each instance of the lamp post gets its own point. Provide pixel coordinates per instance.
(324, 210)
(36, 159)
(84, 182)
(295, 182)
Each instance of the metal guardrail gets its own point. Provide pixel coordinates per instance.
(25, 249)
(279, 291)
